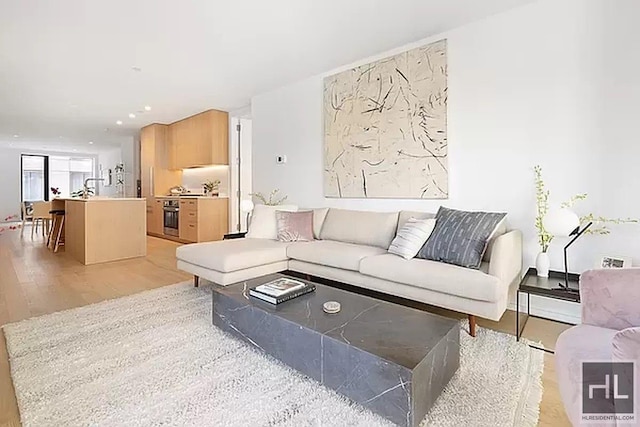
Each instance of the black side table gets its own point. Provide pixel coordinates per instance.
(549, 287)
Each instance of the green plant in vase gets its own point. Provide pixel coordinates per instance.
(211, 187)
(542, 208)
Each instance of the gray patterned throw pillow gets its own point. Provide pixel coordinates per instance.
(460, 237)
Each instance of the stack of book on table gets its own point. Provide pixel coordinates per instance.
(281, 290)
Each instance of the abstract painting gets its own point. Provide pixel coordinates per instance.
(385, 127)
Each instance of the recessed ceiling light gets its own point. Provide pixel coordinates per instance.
(147, 108)
(132, 116)
(119, 122)
(136, 69)
(16, 136)
(75, 149)
(91, 142)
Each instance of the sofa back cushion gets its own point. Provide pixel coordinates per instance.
(360, 227)
(319, 214)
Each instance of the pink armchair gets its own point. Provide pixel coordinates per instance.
(610, 330)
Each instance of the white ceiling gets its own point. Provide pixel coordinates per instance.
(66, 66)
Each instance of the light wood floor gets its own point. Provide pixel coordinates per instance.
(34, 281)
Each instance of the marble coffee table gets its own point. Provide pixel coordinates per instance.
(389, 358)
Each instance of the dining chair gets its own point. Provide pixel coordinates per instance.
(41, 215)
(27, 214)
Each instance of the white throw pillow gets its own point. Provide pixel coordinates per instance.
(411, 237)
(263, 221)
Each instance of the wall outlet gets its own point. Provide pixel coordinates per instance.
(281, 159)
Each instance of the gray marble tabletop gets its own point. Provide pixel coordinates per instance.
(399, 334)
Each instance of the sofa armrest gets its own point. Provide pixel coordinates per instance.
(505, 260)
(611, 297)
(626, 344)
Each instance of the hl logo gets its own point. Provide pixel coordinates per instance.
(607, 391)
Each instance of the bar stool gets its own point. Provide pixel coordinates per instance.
(56, 238)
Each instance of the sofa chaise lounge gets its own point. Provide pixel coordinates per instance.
(351, 247)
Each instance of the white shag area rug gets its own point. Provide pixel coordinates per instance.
(154, 358)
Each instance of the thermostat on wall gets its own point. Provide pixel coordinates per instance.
(281, 159)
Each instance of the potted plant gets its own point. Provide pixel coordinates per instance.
(211, 188)
(545, 238)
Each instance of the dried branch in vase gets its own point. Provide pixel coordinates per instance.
(274, 198)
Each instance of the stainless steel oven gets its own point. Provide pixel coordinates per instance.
(171, 215)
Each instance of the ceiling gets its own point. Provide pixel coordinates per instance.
(69, 69)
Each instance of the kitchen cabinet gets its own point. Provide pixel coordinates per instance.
(203, 219)
(156, 161)
(155, 214)
(200, 140)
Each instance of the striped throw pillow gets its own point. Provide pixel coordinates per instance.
(460, 237)
(411, 237)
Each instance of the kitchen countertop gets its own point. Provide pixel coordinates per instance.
(191, 197)
(100, 199)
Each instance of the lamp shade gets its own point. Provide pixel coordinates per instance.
(561, 222)
(246, 206)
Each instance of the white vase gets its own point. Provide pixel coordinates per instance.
(542, 264)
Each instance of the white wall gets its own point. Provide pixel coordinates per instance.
(10, 179)
(108, 159)
(552, 83)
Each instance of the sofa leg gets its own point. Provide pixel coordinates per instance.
(472, 325)
(196, 281)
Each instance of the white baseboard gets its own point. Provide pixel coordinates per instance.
(549, 308)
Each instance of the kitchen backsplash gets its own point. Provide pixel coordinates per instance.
(192, 179)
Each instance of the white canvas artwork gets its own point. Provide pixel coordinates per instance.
(385, 127)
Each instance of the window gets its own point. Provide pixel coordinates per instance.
(68, 173)
(34, 178)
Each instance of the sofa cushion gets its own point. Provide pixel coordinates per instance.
(574, 346)
(404, 216)
(460, 237)
(435, 276)
(295, 226)
(333, 254)
(411, 237)
(360, 227)
(499, 231)
(232, 255)
(263, 223)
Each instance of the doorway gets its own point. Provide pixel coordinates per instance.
(34, 170)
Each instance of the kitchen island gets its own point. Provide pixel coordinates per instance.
(102, 229)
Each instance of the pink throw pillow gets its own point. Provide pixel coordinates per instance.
(295, 226)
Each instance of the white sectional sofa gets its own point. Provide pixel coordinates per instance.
(351, 248)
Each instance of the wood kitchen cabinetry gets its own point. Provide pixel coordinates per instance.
(156, 178)
(155, 217)
(199, 140)
(203, 219)
(156, 162)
